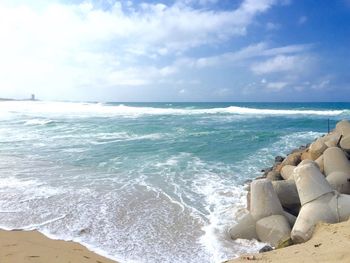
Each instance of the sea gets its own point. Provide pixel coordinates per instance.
(145, 182)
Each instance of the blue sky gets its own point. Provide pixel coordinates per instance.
(183, 50)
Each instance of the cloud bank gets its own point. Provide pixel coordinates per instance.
(90, 49)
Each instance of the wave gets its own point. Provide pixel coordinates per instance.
(74, 109)
(243, 110)
(38, 122)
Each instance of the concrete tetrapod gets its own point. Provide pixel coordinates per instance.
(319, 202)
(343, 127)
(292, 159)
(319, 162)
(287, 172)
(305, 162)
(317, 148)
(287, 193)
(273, 229)
(322, 209)
(331, 139)
(334, 160)
(245, 228)
(340, 182)
(310, 182)
(345, 143)
(272, 226)
(291, 218)
(264, 201)
(343, 207)
(337, 169)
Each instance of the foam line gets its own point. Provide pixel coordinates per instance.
(98, 109)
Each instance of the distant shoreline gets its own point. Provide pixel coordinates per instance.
(6, 99)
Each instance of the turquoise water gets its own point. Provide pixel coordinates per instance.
(145, 182)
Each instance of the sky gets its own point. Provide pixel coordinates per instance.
(181, 50)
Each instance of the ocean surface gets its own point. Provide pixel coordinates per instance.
(145, 182)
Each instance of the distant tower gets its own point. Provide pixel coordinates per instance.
(32, 97)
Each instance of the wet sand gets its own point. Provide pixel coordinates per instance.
(32, 246)
(330, 243)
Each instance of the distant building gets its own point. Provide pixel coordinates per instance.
(32, 97)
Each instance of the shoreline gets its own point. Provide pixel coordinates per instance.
(32, 246)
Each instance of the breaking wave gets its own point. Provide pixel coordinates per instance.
(108, 110)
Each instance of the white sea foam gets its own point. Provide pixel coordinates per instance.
(243, 110)
(223, 202)
(37, 122)
(36, 226)
(33, 189)
(71, 109)
(13, 182)
(124, 136)
(98, 138)
(119, 220)
(220, 201)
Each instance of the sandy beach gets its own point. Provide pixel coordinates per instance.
(32, 246)
(330, 243)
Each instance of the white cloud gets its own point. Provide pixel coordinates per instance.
(276, 86)
(199, 2)
(290, 49)
(319, 84)
(281, 63)
(244, 55)
(147, 27)
(58, 48)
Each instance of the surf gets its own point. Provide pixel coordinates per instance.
(77, 109)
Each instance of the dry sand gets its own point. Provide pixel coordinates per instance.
(33, 247)
(330, 243)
